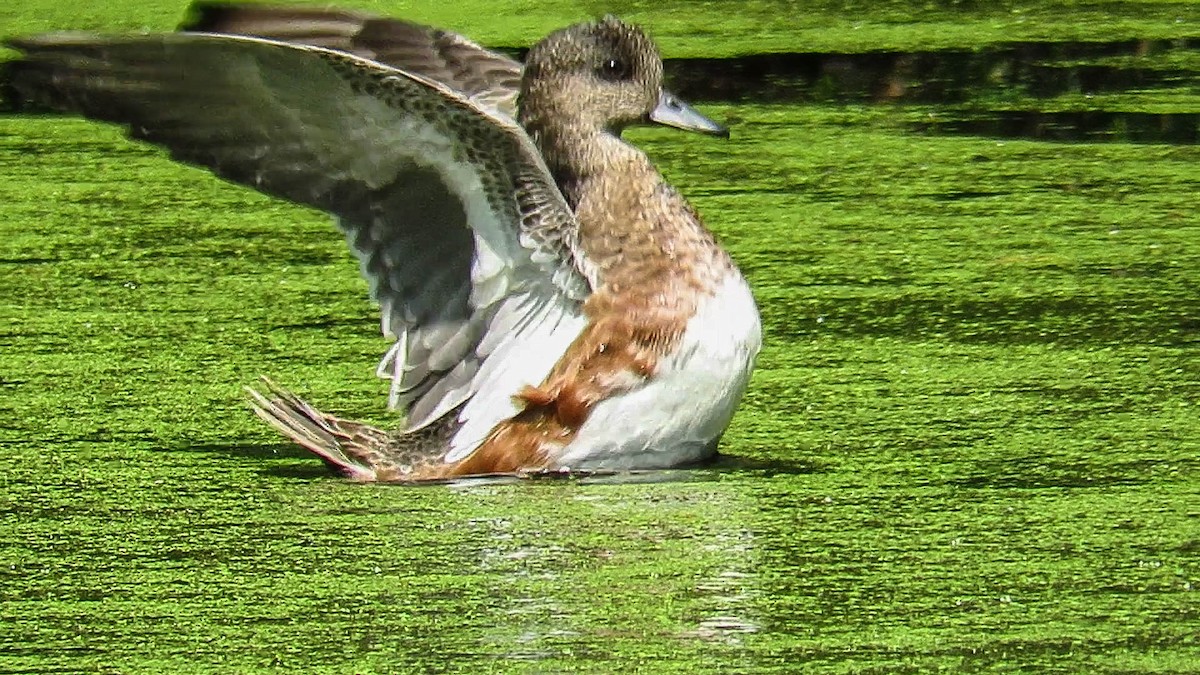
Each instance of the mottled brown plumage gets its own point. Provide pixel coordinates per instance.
(653, 257)
(543, 283)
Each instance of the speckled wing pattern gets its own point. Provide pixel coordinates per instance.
(467, 244)
(485, 76)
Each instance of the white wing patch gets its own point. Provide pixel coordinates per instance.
(476, 273)
(527, 335)
(528, 331)
(497, 257)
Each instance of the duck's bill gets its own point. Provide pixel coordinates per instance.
(671, 111)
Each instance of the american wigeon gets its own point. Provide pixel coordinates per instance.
(554, 303)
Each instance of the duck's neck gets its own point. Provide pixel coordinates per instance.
(576, 156)
(634, 229)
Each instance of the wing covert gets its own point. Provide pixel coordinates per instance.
(485, 76)
(458, 225)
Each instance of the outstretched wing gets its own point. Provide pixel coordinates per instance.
(484, 76)
(467, 244)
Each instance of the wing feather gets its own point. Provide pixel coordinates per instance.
(485, 76)
(461, 232)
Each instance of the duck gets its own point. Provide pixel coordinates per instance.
(552, 303)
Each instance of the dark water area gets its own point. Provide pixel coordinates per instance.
(1055, 91)
(1042, 69)
(1011, 91)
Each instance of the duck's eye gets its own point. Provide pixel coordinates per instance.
(613, 70)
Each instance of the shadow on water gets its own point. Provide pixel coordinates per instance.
(734, 464)
(280, 460)
(302, 465)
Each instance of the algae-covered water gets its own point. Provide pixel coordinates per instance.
(972, 442)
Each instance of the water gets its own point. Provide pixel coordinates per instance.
(971, 443)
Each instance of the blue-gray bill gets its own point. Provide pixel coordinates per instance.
(672, 111)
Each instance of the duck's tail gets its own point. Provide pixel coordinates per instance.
(352, 448)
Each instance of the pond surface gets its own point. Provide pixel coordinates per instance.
(972, 442)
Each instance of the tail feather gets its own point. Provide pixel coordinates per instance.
(364, 453)
(332, 439)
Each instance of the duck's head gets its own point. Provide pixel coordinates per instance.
(601, 76)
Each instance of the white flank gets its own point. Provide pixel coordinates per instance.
(678, 416)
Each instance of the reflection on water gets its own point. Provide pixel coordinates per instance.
(516, 563)
(576, 566)
(728, 595)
